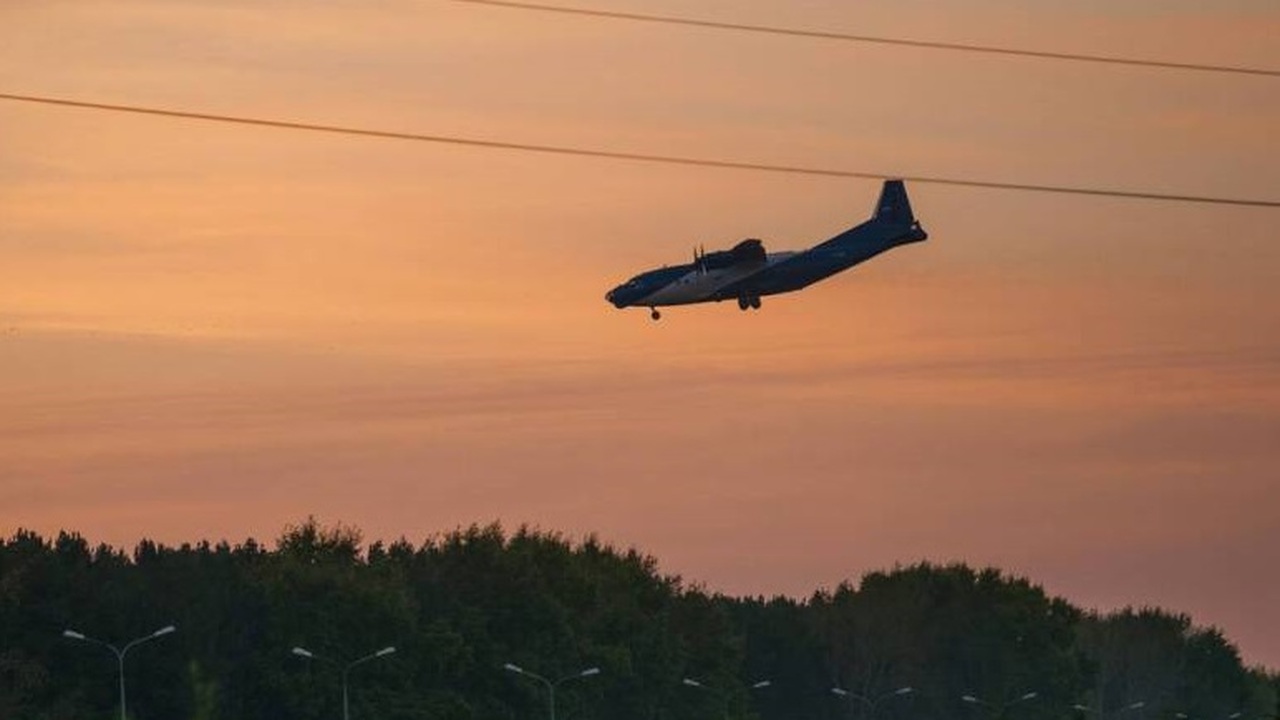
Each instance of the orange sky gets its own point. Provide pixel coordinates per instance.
(212, 331)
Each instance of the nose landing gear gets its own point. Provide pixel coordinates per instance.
(653, 313)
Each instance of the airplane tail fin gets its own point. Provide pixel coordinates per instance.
(894, 205)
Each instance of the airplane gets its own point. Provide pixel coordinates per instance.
(746, 272)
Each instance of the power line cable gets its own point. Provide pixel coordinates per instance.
(633, 156)
(846, 37)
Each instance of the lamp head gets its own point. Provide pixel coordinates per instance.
(589, 672)
(303, 652)
(72, 634)
(385, 651)
(164, 631)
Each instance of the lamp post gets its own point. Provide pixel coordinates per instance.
(119, 652)
(552, 685)
(1233, 716)
(346, 671)
(998, 710)
(1102, 714)
(724, 699)
(871, 703)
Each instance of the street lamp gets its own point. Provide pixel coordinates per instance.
(551, 685)
(120, 653)
(1233, 716)
(346, 670)
(754, 686)
(998, 710)
(979, 701)
(871, 703)
(1101, 713)
(724, 699)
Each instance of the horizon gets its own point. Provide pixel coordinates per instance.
(210, 329)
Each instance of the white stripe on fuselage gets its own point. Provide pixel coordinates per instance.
(695, 286)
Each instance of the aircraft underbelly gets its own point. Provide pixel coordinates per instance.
(684, 291)
(800, 276)
(808, 270)
(696, 287)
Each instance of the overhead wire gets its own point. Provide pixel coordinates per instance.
(872, 39)
(628, 155)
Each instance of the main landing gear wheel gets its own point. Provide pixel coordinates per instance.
(745, 302)
(755, 302)
(653, 313)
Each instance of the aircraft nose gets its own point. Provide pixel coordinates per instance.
(616, 297)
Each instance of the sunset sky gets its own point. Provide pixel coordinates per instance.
(211, 331)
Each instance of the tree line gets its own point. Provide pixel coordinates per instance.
(921, 642)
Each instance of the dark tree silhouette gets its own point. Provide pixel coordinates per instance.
(460, 605)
